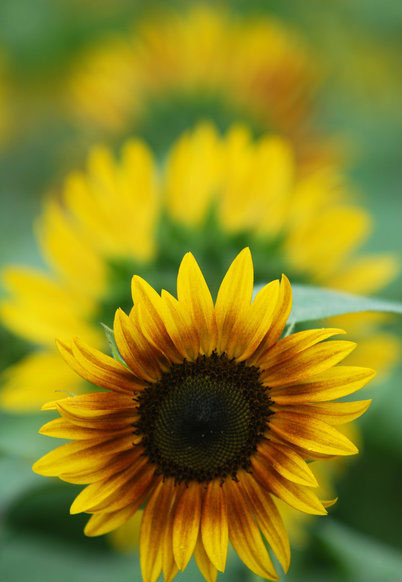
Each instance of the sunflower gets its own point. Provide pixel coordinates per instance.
(215, 194)
(201, 62)
(208, 416)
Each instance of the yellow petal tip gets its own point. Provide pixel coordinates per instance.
(329, 502)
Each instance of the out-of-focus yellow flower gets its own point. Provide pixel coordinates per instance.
(126, 538)
(213, 194)
(255, 67)
(256, 186)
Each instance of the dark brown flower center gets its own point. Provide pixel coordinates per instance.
(203, 419)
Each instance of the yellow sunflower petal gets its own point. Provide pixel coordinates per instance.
(279, 319)
(94, 494)
(331, 412)
(313, 360)
(268, 519)
(248, 333)
(287, 347)
(150, 308)
(288, 463)
(98, 368)
(193, 292)
(63, 429)
(111, 466)
(334, 383)
(104, 522)
(244, 534)
(311, 434)
(169, 566)
(81, 455)
(234, 297)
(214, 525)
(153, 526)
(143, 359)
(180, 327)
(204, 564)
(297, 496)
(95, 404)
(186, 523)
(329, 502)
(132, 492)
(103, 421)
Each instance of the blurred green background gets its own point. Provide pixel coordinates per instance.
(358, 42)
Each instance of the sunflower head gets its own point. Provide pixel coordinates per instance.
(208, 418)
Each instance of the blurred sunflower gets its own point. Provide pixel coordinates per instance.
(214, 194)
(204, 62)
(208, 415)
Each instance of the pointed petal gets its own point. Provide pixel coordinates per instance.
(131, 492)
(102, 422)
(95, 494)
(295, 495)
(286, 348)
(214, 525)
(288, 463)
(186, 523)
(311, 434)
(81, 455)
(150, 308)
(204, 564)
(193, 292)
(93, 405)
(99, 369)
(169, 566)
(268, 519)
(281, 313)
(153, 526)
(234, 298)
(244, 534)
(329, 502)
(181, 328)
(141, 356)
(63, 429)
(104, 522)
(111, 466)
(334, 383)
(279, 318)
(330, 412)
(248, 333)
(311, 361)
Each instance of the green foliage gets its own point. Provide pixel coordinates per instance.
(311, 303)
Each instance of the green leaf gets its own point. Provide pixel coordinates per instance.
(46, 558)
(37, 557)
(310, 303)
(363, 558)
(112, 344)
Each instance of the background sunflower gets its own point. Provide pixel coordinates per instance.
(354, 44)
